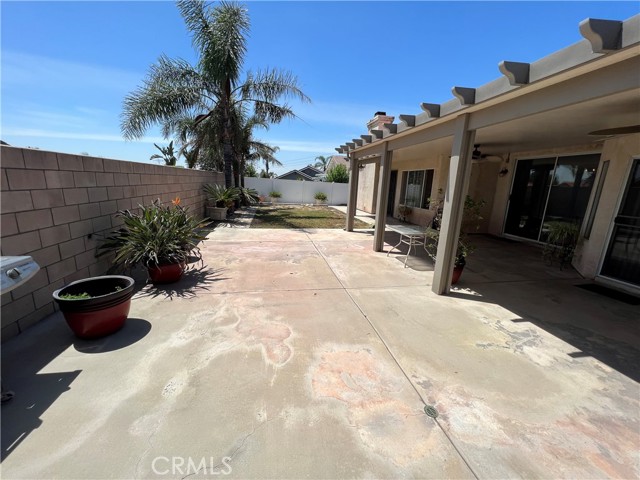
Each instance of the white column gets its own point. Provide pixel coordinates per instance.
(383, 196)
(456, 191)
(353, 193)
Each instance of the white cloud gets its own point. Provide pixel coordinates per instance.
(22, 69)
(302, 146)
(24, 132)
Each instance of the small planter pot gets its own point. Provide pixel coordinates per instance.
(457, 271)
(216, 213)
(104, 313)
(169, 273)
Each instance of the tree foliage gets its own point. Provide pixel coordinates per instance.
(338, 174)
(200, 103)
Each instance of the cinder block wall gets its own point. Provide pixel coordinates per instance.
(56, 207)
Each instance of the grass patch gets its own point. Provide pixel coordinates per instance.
(301, 216)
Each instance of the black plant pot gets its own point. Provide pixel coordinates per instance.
(104, 312)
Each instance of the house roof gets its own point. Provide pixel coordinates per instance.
(607, 44)
(336, 160)
(311, 171)
(296, 172)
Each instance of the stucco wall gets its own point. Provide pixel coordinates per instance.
(367, 188)
(620, 152)
(55, 206)
(440, 166)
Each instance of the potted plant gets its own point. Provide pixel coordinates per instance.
(248, 196)
(162, 238)
(561, 238)
(275, 195)
(97, 306)
(219, 200)
(320, 197)
(471, 218)
(403, 212)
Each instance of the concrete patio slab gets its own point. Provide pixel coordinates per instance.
(304, 354)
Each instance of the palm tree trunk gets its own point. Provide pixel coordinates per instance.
(227, 150)
(236, 172)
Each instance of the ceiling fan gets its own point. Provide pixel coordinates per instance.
(478, 155)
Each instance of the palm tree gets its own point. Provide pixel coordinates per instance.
(322, 162)
(173, 88)
(247, 148)
(267, 154)
(168, 155)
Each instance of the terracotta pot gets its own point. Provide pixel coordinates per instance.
(104, 313)
(457, 271)
(170, 273)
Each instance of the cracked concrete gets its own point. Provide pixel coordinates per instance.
(308, 355)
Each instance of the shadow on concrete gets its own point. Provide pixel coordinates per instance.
(418, 258)
(21, 416)
(515, 277)
(34, 392)
(193, 282)
(23, 359)
(134, 330)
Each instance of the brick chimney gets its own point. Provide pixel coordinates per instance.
(378, 120)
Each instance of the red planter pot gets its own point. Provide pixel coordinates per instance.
(166, 273)
(102, 314)
(457, 271)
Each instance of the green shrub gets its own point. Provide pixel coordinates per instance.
(219, 196)
(275, 194)
(158, 235)
(338, 174)
(320, 196)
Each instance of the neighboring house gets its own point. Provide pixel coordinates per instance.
(337, 160)
(307, 173)
(556, 140)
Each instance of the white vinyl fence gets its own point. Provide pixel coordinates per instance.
(299, 191)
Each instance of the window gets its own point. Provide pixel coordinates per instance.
(417, 188)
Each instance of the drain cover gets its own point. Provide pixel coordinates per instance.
(431, 411)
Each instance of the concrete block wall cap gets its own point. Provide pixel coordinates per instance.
(409, 120)
(366, 138)
(604, 35)
(467, 96)
(358, 141)
(432, 109)
(392, 127)
(516, 72)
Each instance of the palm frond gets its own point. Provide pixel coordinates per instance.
(172, 87)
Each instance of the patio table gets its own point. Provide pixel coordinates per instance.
(411, 235)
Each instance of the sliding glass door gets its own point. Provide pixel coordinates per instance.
(622, 260)
(546, 190)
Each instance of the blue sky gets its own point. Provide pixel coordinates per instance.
(66, 66)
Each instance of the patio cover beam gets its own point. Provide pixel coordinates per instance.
(353, 193)
(620, 77)
(457, 186)
(383, 195)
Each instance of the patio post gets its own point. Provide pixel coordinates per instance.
(383, 195)
(457, 186)
(353, 192)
